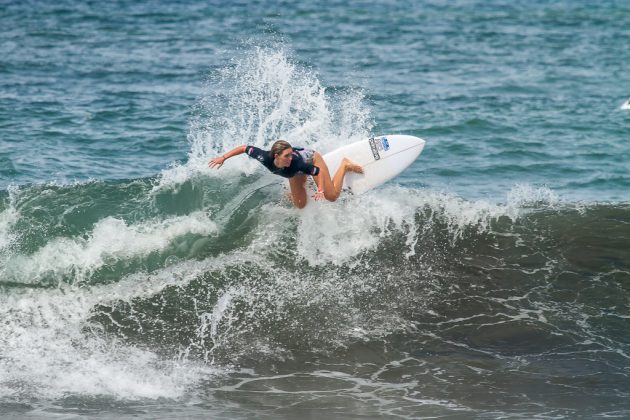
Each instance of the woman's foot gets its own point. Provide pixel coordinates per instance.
(352, 167)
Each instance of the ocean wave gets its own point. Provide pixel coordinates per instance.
(249, 279)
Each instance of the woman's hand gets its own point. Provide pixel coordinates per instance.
(319, 195)
(216, 162)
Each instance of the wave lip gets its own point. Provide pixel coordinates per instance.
(111, 240)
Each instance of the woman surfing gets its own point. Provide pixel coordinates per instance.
(296, 164)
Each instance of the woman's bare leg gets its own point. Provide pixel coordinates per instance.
(332, 187)
(298, 190)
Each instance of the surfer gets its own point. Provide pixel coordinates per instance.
(296, 163)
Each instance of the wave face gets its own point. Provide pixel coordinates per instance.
(400, 294)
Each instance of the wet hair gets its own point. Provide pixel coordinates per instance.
(279, 147)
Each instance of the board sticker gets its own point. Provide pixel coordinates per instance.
(385, 144)
(374, 145)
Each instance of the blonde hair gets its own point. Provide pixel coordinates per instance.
(279, 147)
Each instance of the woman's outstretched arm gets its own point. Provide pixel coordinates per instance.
(217, 162)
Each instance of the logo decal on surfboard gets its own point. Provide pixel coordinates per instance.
(385, 144)
(374, 147)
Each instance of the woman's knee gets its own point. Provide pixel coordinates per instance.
(330, 195)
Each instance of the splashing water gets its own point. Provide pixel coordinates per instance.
(261, 97)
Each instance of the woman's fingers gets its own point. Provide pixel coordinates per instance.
(319, 195)
(216, 162)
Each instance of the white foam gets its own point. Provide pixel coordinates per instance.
(525, 195)
(213, 320)
(45, 344)
(338, 232)
(111, 239)
(7, 219)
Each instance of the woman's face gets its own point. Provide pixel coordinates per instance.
(283, 159)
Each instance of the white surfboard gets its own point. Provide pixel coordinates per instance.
(382, 158)
(626, 105)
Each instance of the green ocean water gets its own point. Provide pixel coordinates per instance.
(489, 280)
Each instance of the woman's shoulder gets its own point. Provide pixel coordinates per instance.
(250, 150)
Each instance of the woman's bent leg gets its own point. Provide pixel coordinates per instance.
(332, 187)
(323, 178)
(298, 190)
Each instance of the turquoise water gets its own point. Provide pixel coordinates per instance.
(491, 279)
